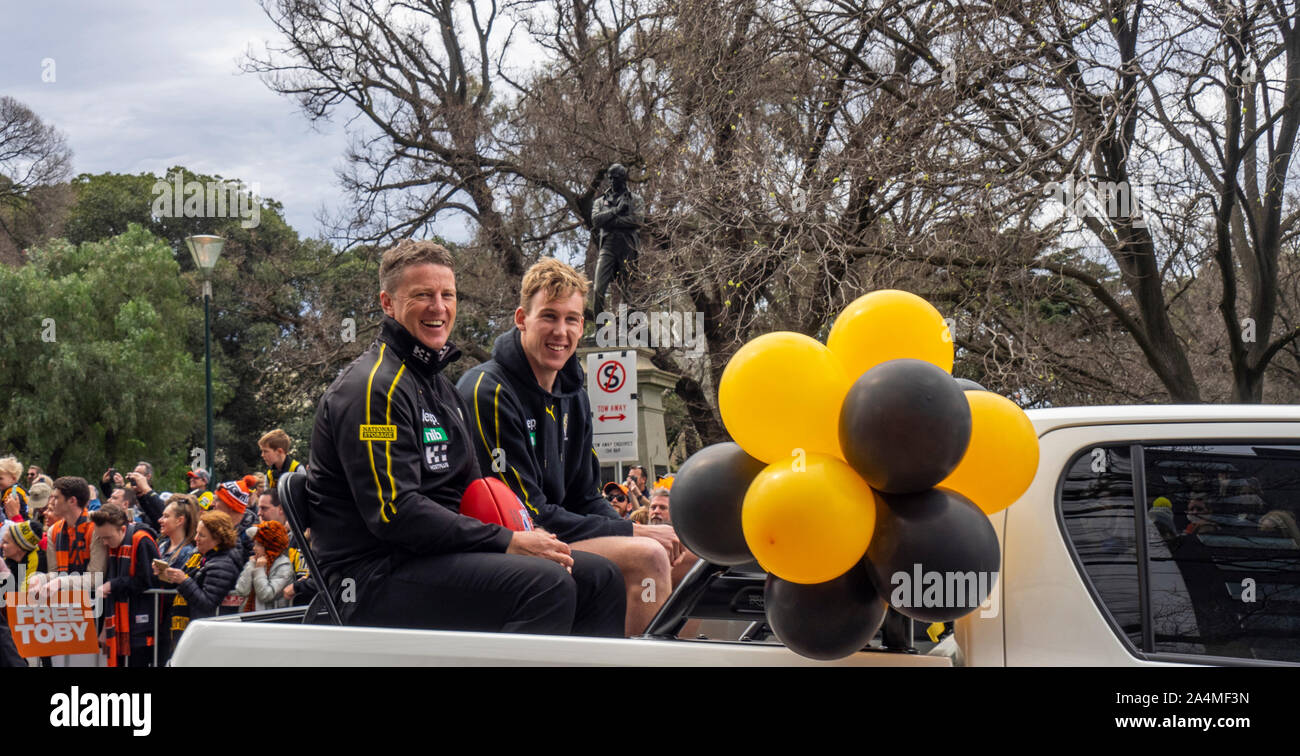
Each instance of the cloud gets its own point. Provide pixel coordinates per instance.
(142, 86)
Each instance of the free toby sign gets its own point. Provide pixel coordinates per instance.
(64, 623)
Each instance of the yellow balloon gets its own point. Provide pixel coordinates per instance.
(889, 325)
(808, 521)
(780, 396)
(1002, 457)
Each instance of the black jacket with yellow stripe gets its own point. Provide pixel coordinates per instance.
(273, 474)
(540, 442)
(391, 455)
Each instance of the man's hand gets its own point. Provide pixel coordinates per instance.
(43, 591)
(12, 506)
(665, 535)
(288, 592)
(105, 590)
(539, 543)
(139, 483)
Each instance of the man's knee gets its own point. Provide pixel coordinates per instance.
(638, 555)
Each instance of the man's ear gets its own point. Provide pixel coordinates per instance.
(386, 303)
(519, 318)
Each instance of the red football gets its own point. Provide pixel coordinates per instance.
(490, 500)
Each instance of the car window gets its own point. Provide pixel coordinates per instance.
(1222, 545)
(1097, 509)
(1225, 552)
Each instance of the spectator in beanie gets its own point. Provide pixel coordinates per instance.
(20, 546)
(204, 593)
(301, 590)
(232, 500)
(129, 613)
(268, 569)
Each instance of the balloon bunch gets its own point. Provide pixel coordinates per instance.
(861, 475)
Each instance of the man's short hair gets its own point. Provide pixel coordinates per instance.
(556, 278)
(129, 496)
(276, 439)
(148, 469)
(110, 514)
(275, 497)
(660, 492)
(407, 253)
(72, 487)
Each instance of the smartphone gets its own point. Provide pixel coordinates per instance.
(161, 564)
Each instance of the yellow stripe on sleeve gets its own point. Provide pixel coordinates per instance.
(478, 420)
(370, 445)
(388, 445)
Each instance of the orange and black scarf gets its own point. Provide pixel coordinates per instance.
(117, 625)
(72, 544)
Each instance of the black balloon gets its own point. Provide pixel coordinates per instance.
(825, 620)
(904, 426)
(708, 493)
(966, 384)
(934, 555)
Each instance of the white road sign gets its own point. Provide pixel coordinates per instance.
(611, 386)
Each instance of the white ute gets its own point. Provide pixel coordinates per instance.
(1151, 535)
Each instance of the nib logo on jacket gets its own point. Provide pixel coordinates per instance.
(75, 709)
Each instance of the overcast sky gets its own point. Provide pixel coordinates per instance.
(142, 85)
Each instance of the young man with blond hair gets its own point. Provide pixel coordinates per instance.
(532, 423)
(392, 455)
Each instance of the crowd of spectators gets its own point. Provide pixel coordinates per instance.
(167, 558)
(152, 558)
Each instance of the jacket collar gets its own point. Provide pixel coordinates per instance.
(416, 355)
(508, 351)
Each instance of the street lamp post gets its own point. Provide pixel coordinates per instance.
(205, 250)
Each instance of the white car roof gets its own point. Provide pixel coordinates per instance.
(1045, 420)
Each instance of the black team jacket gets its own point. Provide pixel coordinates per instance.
(545, 442)
(129, 627)
(391, 456)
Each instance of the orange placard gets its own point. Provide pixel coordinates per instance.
(62, 624)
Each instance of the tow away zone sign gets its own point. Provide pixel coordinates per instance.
(611, 386)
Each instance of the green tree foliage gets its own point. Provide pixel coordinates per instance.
(267, 285)
(97, 370)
